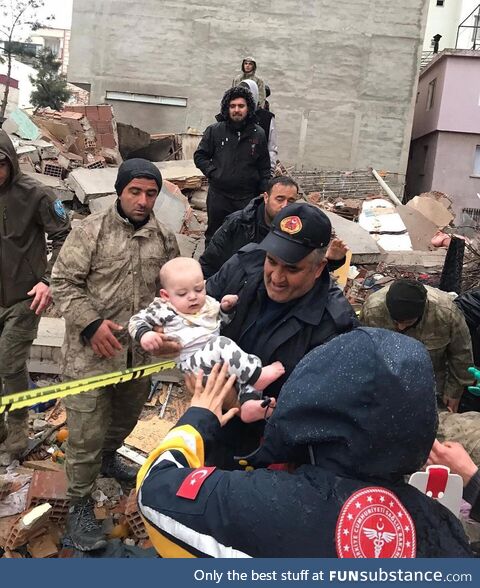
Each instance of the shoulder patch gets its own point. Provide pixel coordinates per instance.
(190, 487)
(60, 209)
(373, 523)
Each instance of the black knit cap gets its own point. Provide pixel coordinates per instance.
(406, 300)
(136, 168)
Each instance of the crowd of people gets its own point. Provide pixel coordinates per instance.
(305, 420)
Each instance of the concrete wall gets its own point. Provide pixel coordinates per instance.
(456, 104)
(449, 167)
(453, 172)
(343, 74)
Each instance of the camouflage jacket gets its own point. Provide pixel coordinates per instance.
(442, 330)
(107, 270)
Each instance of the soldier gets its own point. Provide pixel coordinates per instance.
(430, 316)
(28, 211)
(106, 272)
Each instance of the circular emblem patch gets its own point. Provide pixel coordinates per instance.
(291, 225)
(373, 523)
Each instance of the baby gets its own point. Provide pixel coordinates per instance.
(186, 313)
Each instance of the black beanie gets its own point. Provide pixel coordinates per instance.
(136, 168)
(406, 300)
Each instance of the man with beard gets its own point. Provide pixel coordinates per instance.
(233, 155)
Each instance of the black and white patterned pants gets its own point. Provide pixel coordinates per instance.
(245, 366)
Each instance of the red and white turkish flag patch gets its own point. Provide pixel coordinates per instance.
(190, 487)
(373, 523)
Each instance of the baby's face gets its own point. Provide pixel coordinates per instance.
(186, 292)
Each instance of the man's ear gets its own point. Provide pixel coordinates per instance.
(265, 196)
(164, 294)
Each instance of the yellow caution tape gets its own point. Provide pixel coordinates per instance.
(31, 397)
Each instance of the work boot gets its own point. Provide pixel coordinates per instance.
(84, 530)
(16, 442)
(114, 467)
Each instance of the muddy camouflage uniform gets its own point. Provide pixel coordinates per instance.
(107, 270)
(442, 330)
(28, 210)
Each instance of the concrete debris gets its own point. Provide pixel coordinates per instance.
(184, 173)
(198, 200)
(420, 228)
(363, 246)
(19, 123)
(381, 219)
(432, 209)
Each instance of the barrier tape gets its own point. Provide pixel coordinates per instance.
(31, 397)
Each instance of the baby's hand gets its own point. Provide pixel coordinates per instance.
(228, 302)
(151, 341)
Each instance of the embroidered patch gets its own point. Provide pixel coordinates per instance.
(190, 487)
(373, 523)
(291, 225)
(59, 209)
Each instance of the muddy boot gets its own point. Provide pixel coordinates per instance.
(84, 530)
(114, 467)
(16, 442)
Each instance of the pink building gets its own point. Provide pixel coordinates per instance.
(445, 147)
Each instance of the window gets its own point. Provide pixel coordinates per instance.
(440, 2)
(431, 94)
(476, 162)
(146, 98)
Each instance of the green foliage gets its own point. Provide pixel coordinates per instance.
(50, 86)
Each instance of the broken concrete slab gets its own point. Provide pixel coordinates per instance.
(420, 228)
(380, 218)
(92, 183)
(198, 200)
(415, 261)
(20, 124)
(360, 242)
(57, 186)
(432, 209)
(184, 173)
(186, 244)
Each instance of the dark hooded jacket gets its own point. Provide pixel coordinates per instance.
(235, 159)
(349, 401)
(28, 210)
(238, 229)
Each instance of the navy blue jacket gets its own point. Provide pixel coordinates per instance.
(350, 402)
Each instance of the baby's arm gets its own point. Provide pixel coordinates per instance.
(141, 325)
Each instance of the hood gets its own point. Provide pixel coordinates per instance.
(253, 87)
(249, 58)
(363, 405)
(7, 148)
(231, 94)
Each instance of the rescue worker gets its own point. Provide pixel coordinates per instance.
(249, 72)
(28, 210)
(430, 316)
(233, 155)
(344, 421)
(251, 225)
(107, 271)
(287, 303)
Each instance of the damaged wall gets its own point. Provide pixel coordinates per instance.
(342, 74)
